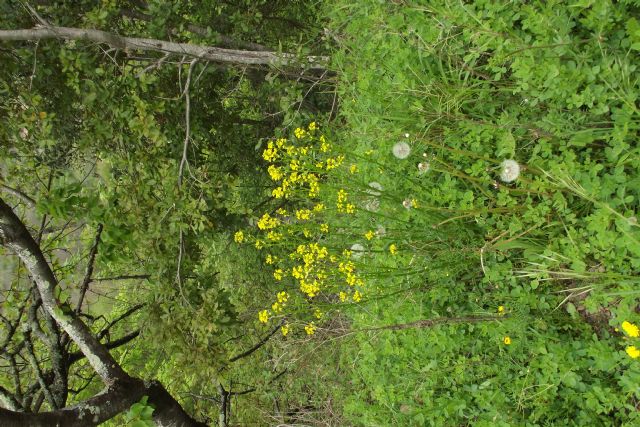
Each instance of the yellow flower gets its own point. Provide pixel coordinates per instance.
(353, 169)
(318, 314)
(259, 244)
(269, 260)
(500, 310)
(633, 352)
(393, 249)
(282, 297)
(272, 235)
(324, 228)
(277, 193)
(270, 154)
(630, 329)
(414, 203)
(318, 208)
(313, 126)
(350, 208)
(357, 296)
(324, 147)
(238, 237)
(263, 316)
(299, 133)
(506, 340)
(369, 235)
(343, 296)
(276, 307)
(274, 172)
(303, 214)
(285, 330)
(278, 274)
(267, 222)
(310, 329)
(280, 142)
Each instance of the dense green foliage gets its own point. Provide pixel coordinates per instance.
(473, 168)
(555, 88)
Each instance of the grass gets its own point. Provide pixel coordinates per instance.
(468, 86)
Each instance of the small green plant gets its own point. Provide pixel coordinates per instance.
(140, 414)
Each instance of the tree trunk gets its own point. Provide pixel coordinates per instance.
(121, 391)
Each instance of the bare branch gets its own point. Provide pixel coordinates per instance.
(124, 277)
(31, 356)
(19, 195)
(187, 119)
(89, 271)
(207, 53)
(15, 236)
(259, 344)
(123, 316)
(36, 15)
(74, 357)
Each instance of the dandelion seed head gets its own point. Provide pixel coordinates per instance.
(509, 170)
(401, 150)
(357, 250)
(407, 203)
(423, 167)
(372, 205)
(375, 188)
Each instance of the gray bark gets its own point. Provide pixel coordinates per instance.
(208, 53)
(121, 390)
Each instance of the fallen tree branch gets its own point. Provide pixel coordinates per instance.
(207, 53)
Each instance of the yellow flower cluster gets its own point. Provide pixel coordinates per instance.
(342, 203)
(310, 329)
(298, 166)
(238, 237)
(297, 162)
(268, 222)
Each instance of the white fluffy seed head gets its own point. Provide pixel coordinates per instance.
(407, 203)
(372, 205)
(423, 167)
(401, 150)
(357, 250)
(509, 171)
(375, 189)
